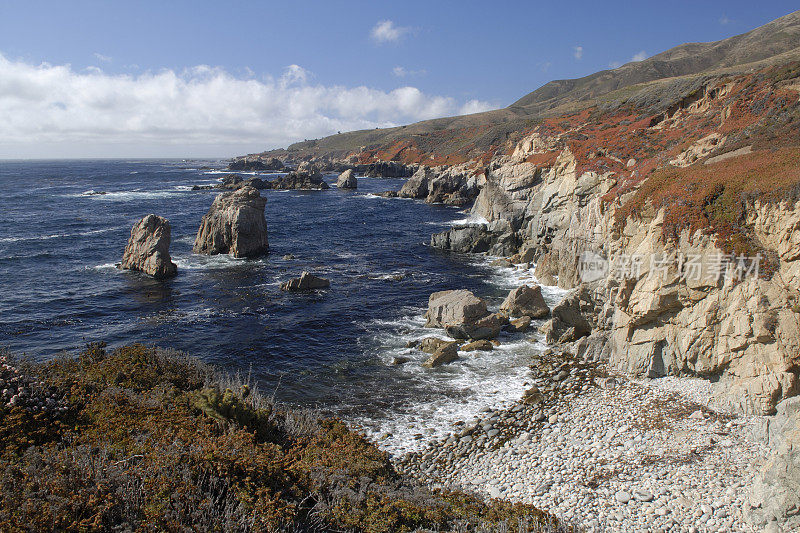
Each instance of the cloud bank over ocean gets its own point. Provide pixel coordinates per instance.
(204, 107)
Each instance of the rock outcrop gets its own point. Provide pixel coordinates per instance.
(234, 225)
(148, 248)
(526, 301)
(306, 177)
(306, 282)
(386, 169)
(347, 180)
(451, 186)
(233, 182)
(495, 239)
(257, 164)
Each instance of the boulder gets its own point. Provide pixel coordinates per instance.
(306, 282)
(454, 308)
(482, 345)
(487, 327)
(431, 344)
(446, 354)
(569, 321)
(463, 315)
(526, 301)
(234, 225)
(519, 325)
(347, 180)
(148, 248)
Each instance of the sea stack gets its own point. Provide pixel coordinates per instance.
(148, 248)
(234, 225)
(347, 180)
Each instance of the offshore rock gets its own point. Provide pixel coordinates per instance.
(234, 225)
(347, 180)
(148, 248)
(245, 163)
(306, 282)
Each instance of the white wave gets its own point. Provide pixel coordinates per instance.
(371, 196)
(477, 379)
(105, 266)
(124, 196)
(471, 220)
(208, 262)
(59, 235)
(458, 391)
(242, 172)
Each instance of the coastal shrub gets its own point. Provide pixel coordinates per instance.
(154, 440)
(715, 198)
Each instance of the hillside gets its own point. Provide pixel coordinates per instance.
(655, 83)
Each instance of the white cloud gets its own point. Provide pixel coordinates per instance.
(101, 57)
(577, 52)
(385, 31)
(614, 64)
(724, 20)
(292, 75)
(201, 110)
(639, 56)
(545, 66)
(475, 106)
(402, 72)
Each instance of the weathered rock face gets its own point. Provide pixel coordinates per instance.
(776, 490)
(347, 180)
(234, 225)
(148, 248)
(746, 332)
(306, 282)
(526, 301)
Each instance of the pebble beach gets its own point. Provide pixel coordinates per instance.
(604, 452)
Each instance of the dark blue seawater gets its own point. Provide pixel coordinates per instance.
(331, 349)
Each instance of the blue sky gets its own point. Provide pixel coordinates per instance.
(222, 78)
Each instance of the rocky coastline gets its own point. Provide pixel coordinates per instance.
(663, 292)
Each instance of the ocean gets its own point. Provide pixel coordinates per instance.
(64, 226)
